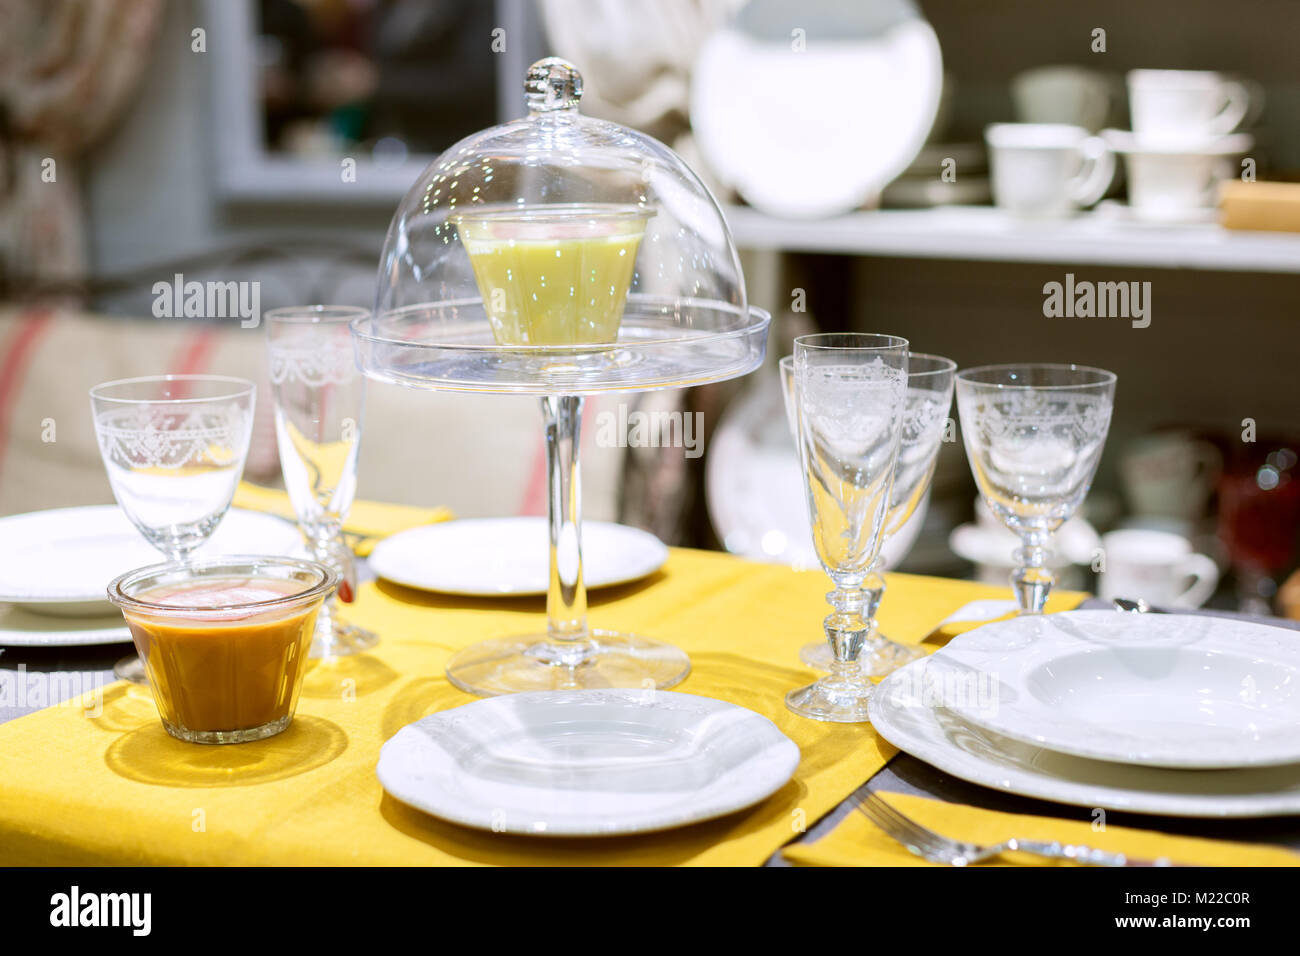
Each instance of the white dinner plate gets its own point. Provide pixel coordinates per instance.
(1162, 690)
(587, 762)
(905, 711)
(493, 557)
(60, 561)
(20, 627)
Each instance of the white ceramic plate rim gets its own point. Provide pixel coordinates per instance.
(52, 631)
(915, 727)
(1024, 718)
(741, 786)
(387, 558)
(53, 521)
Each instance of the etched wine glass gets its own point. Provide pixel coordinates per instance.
(1034, 434)
(850, 395)
(319, 404)
(925, 418)
(174, 449)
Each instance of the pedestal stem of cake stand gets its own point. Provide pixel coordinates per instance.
(566, 596)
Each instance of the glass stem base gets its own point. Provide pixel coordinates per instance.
(336, 638)
(842, 695)
(131, 669)
(880, 658)
(603, 659)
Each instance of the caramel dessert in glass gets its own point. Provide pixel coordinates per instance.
(224, 641)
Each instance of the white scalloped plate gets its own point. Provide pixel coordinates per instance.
(587, 762)
(59, 562)
(1192, 692)
(904, 712)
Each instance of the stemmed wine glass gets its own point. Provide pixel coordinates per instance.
(850, 394)
(174, 449)
(319, 403)
(1034, 434)
(929, 396)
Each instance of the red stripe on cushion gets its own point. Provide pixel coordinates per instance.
(13, 370)
(193, 356)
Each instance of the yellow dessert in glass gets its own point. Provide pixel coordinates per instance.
(554, 275)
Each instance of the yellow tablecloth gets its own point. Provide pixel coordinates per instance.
(859, 842)
(81, 788)
(368, 521)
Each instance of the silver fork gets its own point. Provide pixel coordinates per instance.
(937, 848)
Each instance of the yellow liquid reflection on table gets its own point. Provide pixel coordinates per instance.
(554, 277)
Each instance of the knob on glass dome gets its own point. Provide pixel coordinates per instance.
(553, 84)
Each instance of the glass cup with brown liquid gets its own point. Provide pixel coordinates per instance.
(224, 641)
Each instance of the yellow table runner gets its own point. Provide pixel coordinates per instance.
(368, 521)
(111, 787)
(859, 842)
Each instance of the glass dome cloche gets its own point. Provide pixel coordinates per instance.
(560, 255)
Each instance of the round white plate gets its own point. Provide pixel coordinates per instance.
(587, 762)
(60, 561)
(20, 627)
(1162, 690)
(905, 711)
(819, 132)
(494, 557)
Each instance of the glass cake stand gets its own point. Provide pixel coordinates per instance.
(661, 344)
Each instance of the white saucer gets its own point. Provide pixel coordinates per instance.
(495, 557)
(1164, 690)
(587, 762)
(1126, 142)
(20, 627)
(903, 711)
(60, 562)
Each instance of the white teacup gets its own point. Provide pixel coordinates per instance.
(1063, 94)
(1170, 474)
(1156, 566)
(1047, 170)
(1185, 106)
(1170, 183)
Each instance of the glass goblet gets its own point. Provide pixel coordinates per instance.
(1034, 435)
(929, 396)
(319, 403)
(850, 394)
(174, 449)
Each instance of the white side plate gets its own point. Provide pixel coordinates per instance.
(587, 763)
(60, 561)
(20, 627)
(1193, 692)
(904, 713)
(494, 557)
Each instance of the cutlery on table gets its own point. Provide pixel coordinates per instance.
(937, 848)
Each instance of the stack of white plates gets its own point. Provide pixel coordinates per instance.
(1179, 715)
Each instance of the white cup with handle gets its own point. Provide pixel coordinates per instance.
(1185, 106)
(1156, 566)
(1047, 170)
